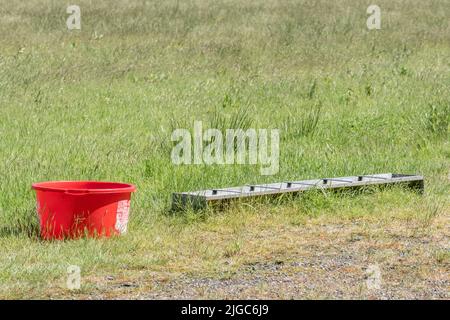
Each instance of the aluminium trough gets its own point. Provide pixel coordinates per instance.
(200, 199)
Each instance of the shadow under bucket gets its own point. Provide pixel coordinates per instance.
(72, 209)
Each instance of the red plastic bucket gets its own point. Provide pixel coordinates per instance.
(71, 209)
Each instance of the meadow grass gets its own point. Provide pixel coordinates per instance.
(100, 103)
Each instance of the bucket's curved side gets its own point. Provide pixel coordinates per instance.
(55, 214)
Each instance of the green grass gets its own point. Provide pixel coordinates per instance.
(101, 104)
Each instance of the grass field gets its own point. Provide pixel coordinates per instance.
(101, 102)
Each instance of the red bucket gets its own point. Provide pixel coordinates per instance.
(71, 209)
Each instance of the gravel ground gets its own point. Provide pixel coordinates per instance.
(326, 277)
(344, 262)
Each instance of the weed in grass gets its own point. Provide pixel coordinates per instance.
(437, 119)
(443, 256)
(232, 249)
(432, 207)
(302, 123)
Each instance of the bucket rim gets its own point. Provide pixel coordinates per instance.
(58, 186)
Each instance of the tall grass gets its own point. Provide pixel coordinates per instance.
(76, 106)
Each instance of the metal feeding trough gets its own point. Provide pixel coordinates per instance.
(200, 199)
